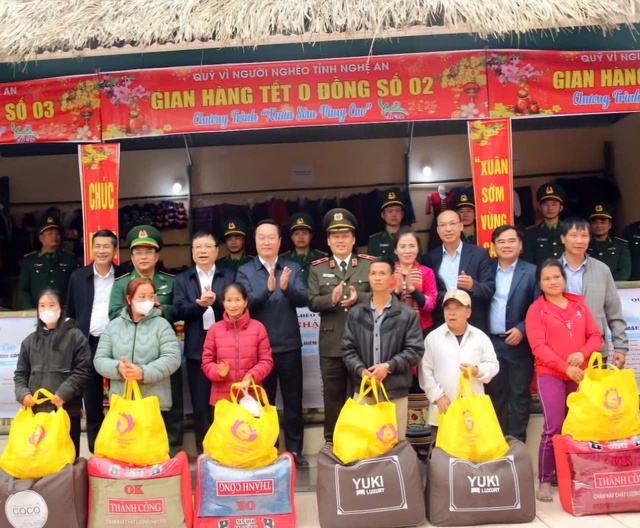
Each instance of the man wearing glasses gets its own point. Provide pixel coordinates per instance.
(145, 244)
(463, 266)
(197, 299)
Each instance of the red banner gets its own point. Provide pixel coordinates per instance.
(99, 172)
(529, 83)
(296, 93)
(492, 167)
(59, 109)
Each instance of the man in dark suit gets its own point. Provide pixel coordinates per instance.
(463, 266)
(516, 289)
(88, 303)
(197, 299)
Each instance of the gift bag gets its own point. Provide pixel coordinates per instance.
(365, 431)
(39, 443)
(239, 439)
(133, 430)
(470, 429)
(605, 407)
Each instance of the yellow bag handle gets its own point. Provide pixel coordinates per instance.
(373, 388)
(596, 357)
(259, 392)
(465, 386)
(42, 396)
(132, 390)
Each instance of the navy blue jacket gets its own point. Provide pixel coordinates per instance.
(474, 261)
(186, 289)
(276, 310)
(80, 295)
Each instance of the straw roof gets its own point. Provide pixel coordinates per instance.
(29, 28)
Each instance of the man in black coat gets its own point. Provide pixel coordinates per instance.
(458, 265)
(88, 303)
(197, 299)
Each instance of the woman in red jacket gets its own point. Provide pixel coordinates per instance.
(237, 348)
(562, 334)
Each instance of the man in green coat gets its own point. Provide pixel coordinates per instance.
(613, 251)
(48, 268)
(301, 229)
(145, 244)
(466, 207)
(235, 233)
(392, 212)
(543, 240)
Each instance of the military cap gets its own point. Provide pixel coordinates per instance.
(601, 210)
(338, 220)
(459, 295)
(235, 226)
(466, 199)
(300, 221)
(48, 222)
(391, 197)
(550, 190)
(144, 235)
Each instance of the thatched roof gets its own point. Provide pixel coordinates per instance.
(29, 28)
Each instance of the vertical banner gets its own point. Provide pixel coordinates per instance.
(99, 172)
(492, 167)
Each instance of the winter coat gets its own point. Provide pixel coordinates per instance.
(57, 360)
(553, 339)
(150, 344)
(243, 344)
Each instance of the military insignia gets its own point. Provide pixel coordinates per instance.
(392, 196)
(319, 261)
(49, 220)
(354, 262)
(162, 287)
(549, 190)
(300, 221)
(338, 217)
(332, 263)
(329, 275)
(232, 225)
(142, 234)
(599, 208)
(368, 257)
(463, 198)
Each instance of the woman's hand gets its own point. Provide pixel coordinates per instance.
(223, 369)
(122, 367)
(410, 287)
(576, 359)
(399, 282)
(574, 373)
(27, 401)
(246, 381)
(134, 373)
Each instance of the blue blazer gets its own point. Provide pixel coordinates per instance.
(80, 294)
(474, 261)
(186, 289)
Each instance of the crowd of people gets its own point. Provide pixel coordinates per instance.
(411, 321)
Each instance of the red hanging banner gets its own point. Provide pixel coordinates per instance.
(296, 93)
(58, 109)
(525, 83)
(99, 174)
(492, 167)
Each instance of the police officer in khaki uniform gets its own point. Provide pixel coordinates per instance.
(47, 268)
(543, 240)
(392, 212)
(301, 229)
(235, 232)
(613, 251)
(631, 234)
(336, 283)
(145, 243)
(466, 207)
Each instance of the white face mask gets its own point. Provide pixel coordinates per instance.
(142, 307)
(49, 316)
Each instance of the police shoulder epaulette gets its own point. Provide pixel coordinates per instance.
(324, 253)
(376, 234)
(621, 239)
(368, 257)
(123, 276)
(29, 254)
(319, 261)
(167, 274)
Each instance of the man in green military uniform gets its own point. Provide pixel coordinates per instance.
(145, 244)
(336, 284)
(235, 232)
(48, 268)
(543, 240)
(466, 207)
(392, 212)
(301, 229)
(613, 251)
(631, 234)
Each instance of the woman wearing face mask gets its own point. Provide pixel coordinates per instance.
(237, 348)
(139, 345)
(56, 357)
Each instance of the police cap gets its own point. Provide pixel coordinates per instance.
(338, 220)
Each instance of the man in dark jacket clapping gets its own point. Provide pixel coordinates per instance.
(382, 339)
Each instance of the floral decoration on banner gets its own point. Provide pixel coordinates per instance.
(82, 101)
(467, 76)
(93, 155)
(480, 131)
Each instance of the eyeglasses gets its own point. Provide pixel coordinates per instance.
(263, 238)
(449, 224)
(207, 247)
(143, 252)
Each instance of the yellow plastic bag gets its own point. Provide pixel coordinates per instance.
(605, 407)
(133, 430)
(239, 439)
(365, 431)
(470, 429)
(39, 443)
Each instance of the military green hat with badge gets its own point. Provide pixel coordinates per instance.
(550, 191)
(300, 221)
(465, 199)
(235, 226)
(48, 222)
(144, 235)
(339, 220)
(601, 210)
(391, 197)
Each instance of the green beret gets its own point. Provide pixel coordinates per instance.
(338, 220)
(550, 190)
(601, 210)
(48, 222)
(391, 197)
(235, 226)
(144, 235)
(300, 221)
(466, 199)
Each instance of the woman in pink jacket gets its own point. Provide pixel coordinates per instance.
(237, 348)
(563, 334)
